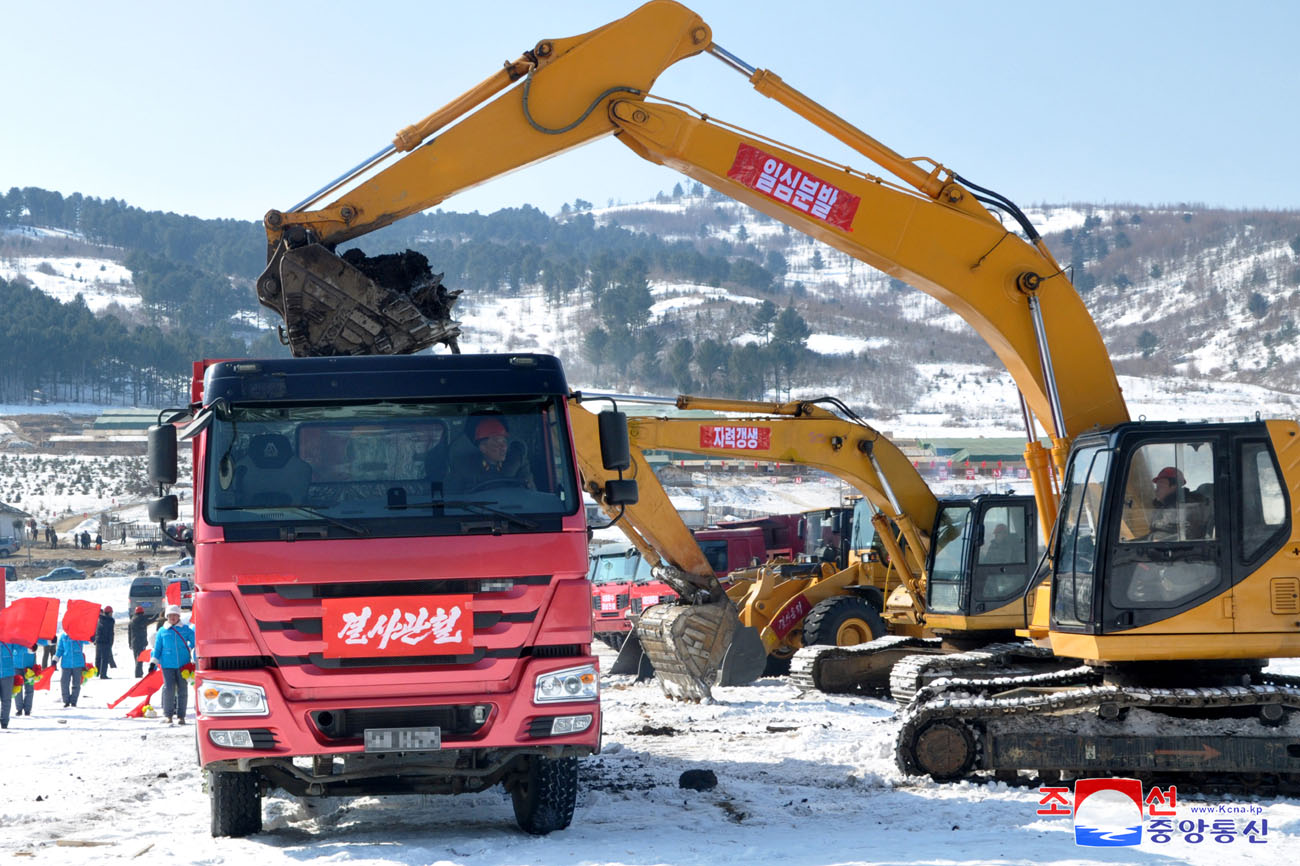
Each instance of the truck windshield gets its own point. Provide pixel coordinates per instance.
(388, 468)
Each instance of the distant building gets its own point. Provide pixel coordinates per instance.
(8, 514)
(126, 420)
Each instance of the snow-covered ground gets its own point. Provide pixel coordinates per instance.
(802, 779)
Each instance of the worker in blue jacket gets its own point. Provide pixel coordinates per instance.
(24, 666)
(173, 648)
(70, 656)
(6, 682)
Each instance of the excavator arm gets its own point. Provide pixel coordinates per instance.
(933, 230)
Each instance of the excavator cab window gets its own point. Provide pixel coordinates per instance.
(1006, 555)
(863, 543)
(1261, 515)
(954, 529)
(1167, 552)
(1079, 525)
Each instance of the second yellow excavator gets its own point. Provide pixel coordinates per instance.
(950, 576)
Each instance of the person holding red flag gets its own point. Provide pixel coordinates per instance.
(173, 647)
(6, 682)
(25, 666)
(71, 659)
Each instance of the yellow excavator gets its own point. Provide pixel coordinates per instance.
(1172, 571)
(958, 567)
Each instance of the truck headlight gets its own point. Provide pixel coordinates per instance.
(574, 684)
(232, 699)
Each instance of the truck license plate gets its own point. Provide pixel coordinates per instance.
(402, 739)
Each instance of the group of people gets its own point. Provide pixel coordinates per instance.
(173, 650)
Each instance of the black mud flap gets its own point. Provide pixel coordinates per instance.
(745, 660)
(356, 305)
(632, 659)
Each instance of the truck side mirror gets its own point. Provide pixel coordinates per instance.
(163, 508)
(162, 454)
(621, 491)
(615, 451)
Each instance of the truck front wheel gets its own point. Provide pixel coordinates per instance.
(236, 803)
(545, 793)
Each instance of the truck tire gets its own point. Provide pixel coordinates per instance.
(236, 803)
(545, 794)
(845, 620)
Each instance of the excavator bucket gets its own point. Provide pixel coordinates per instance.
(689, 645)
(744, 662)
(357, 305)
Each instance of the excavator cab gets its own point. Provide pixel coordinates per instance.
(1159, 522)
(982, 557)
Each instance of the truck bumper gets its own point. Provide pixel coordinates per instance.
(485, 721)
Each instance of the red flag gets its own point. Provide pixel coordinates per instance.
(20, 622)
(174, 593)
(42, 683)
(50, 625)
(144, 656)
(80, 619)
(148, 684)
(138, 710)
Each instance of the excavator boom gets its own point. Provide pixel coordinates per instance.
(566, 92)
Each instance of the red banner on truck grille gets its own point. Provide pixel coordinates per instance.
(412, 625)
(735, 438)
(789, 184)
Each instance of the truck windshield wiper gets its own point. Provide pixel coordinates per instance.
(475, 505)
(350, 527)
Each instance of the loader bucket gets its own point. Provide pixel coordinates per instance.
(632, 659)
(746, 658)
(688, 644)
(357, 305)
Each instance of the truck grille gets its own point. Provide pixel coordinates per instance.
(350, 724)
(289, 620)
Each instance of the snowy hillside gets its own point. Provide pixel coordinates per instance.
(1216, 324)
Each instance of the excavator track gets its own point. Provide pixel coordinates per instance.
(994, 661)
(1207, 738)
(863, 669)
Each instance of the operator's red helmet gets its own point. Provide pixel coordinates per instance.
(489, 427)
(1172, 474)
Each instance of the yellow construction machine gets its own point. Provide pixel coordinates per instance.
(950, 574)
(1172, 601)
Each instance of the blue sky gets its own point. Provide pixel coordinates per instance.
(229, 109)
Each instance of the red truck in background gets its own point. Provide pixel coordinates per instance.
(730, 548)
(803, 535)
(377, 611)
(621, 587)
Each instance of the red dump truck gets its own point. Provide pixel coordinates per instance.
(377, 611)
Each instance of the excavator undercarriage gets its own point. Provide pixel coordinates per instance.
(1074, 723)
